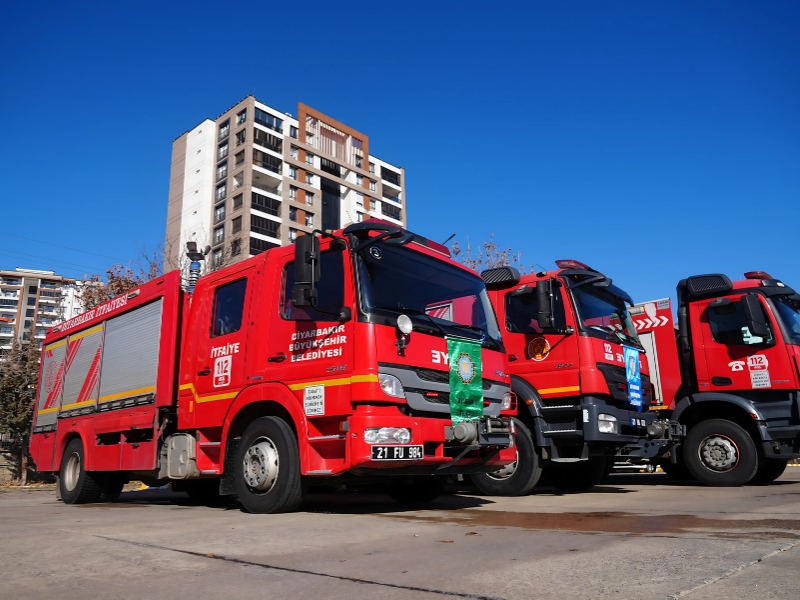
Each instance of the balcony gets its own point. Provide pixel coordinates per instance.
(10, 282)
(267, 182)
(390, 176)
(390, 211)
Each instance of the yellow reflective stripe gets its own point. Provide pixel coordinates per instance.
(340, 381)
(152, 388)
(574, 388)
(659, 407)
(47, 410)
(364, 378)
(216, 397)
(85, 333)
(56, 345)
(84, 403)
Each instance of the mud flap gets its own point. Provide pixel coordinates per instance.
(227, 485)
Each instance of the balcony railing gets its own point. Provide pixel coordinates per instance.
(391, 177)
(266, 188)
(267, 166)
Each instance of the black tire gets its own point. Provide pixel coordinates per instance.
(720, 453)
(111, 486)
(679, 471)
(519, 478)
(769, 471)
(269, 442)
(416, 489)
(578, 476)
(76, 484)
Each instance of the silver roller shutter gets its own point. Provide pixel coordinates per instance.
(80, 383)
(130, 353)
(51, 383)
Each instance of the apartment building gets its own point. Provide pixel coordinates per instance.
(255, 178)
(32, 301)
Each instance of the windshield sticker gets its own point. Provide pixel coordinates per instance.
(760, 379)
(757, 362)
(315, 343)
(538, 349)
(634, 376)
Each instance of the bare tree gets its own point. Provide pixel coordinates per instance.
(19, 372)
(489, 256)
(120, 279)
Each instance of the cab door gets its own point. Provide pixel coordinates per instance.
(737, 360)
(312, 350)
(548, 360)
(217, 350)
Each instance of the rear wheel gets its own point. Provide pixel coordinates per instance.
(720, 453)
(578, 476)
(769, 471)
(77, 485)
(518, 478)
(268, 476)
(414, 489)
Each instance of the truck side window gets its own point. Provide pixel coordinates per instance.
(522, 314)
(330, 291)
(729, 326)
(228, 308)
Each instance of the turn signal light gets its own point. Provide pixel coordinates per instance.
(757, 275)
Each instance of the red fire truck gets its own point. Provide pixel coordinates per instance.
(329, 359)
(580, 400)
(729, 373)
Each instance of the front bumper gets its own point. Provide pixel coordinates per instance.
(442, 453)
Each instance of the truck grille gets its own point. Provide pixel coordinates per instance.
(435, 376)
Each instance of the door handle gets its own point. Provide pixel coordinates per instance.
(722, 381)
(512, 358)
(205, 371)
(280, 358)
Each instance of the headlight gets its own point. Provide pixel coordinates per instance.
(391, 385)
(607, 423)
(506, 403)
(387, 435)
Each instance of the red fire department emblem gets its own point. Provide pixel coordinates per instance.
(538, 349)
(50, 376)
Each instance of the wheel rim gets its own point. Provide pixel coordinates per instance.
(72, 472)
(261, 465)
(506, 472)
(719, 453)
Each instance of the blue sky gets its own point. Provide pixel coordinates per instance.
(651, 140)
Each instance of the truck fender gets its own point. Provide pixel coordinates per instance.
(67, 430)
(272, 392)
(525, 391)
(745, 405)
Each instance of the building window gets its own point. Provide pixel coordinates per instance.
(309, 178)
(292, 192)
(264, 226)
(219, 213)
(309, 198)
(241, 137)
(31, 301)
(228, 307)
(359, 162)
(310, 158)
(292, 235)
(29, 312)
(310, 139)
(390, 211)
(267, 120)
(262, 138)
(219, 235)
(359, 198)
(241, 117)
(222, 191)
(236, 225)
(265, 204)
(293, 214)
(224, 130)
(309, 220)
(258, 246)
(239, 158)
(293, 131)
(222, 171)
(238, 181)
(372, 186)
(359, 181)
(371, 167)
(237, 202)
(293, 172)
(359, 216)
(236, 247)
(222, 151)
(294, 152)
(267, 161)
(390, 176)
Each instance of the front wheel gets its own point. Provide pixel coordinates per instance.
(518, 478)
(77, 485)
(415, 489)
(268, 476)
(769, 471)
(720, 453)
(578, 476)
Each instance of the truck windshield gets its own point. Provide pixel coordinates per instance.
(605, 315)
(440, 298)
(789, 312)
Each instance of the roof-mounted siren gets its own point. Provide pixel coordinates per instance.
(194, 267)
(501, 277)
(572, 264)
(708, 285)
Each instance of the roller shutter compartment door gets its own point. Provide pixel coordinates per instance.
(51, 383)
(83, 370)
(130, 354)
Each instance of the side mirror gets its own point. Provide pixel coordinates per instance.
(523, 291)
(754, 315)
(545, 317)
(306, 271)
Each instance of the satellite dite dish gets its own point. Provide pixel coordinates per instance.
(650, 310)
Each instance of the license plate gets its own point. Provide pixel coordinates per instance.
(638, 422)
(397, 452)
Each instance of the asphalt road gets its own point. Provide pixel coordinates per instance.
(634, 536)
